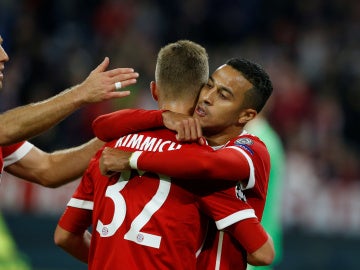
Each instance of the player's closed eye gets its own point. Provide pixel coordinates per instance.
(223, 94)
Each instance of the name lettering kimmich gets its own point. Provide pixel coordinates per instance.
(140, 142)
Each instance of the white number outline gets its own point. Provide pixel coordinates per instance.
(135, 232)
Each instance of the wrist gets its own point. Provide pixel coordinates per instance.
(76, 96)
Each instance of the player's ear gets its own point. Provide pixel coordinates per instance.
(246, 115)
(153, 89)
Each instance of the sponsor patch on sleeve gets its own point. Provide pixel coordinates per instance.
(245, 143)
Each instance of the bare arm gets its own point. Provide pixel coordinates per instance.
(55, 169)
(264, 255)
(30, 120)
(75, 244)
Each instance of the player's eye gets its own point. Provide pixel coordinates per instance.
(223, 95)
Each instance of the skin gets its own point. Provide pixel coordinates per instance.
(42, 168)
(220, 113)
(76, 244)
(219, 108)
(27, 121)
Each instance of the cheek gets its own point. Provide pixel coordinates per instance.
(228, 116)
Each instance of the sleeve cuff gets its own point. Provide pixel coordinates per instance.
(134, 159)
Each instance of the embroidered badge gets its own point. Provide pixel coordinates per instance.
(245, 143)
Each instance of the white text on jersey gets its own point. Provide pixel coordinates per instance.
(147, 143)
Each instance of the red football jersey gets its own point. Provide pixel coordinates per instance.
(244, 158)
(143, 223)
(12, 153)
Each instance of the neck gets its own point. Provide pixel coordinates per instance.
(178, 107)
(222, 138)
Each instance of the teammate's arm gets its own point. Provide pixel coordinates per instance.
(27, 121)
(57, 168)
(200, 163)
(114, 125)
(111, 126)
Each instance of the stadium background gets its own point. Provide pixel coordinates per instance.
(311, 48)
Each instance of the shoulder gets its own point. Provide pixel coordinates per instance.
(249, 143)
(248, 139)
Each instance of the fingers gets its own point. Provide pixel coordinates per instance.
(118, 94)
(125, 76)
(119, 71)
(189, 130)
(125, 82)
(126, 79)
(102, 66)
(201, 141)
(103, 163)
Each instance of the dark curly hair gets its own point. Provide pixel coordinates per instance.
(256, 97)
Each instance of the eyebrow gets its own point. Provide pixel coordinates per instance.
(221, 87)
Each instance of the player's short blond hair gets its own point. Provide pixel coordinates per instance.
(182, 68)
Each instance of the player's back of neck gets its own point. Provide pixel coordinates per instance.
(179, 106)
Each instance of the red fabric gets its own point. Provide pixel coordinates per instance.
(6, 151)
(229, 164)
(152, 207)
(251, 234)
(81, 215)
(222, 252)
(112, 126)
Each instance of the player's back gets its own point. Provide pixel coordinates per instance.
(142, 220)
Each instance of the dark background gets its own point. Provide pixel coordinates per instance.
(311, 49)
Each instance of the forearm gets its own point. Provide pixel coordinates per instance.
(71, 162)
(74, 161)
(27, 121)
(114, 125)
(55, 169)
(77, 245)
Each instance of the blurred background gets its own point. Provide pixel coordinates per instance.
(310, 48)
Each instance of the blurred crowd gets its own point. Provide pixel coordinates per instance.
(311, 49)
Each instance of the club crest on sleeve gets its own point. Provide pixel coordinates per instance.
(244, 141)
(245, 144)
(239, 192)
